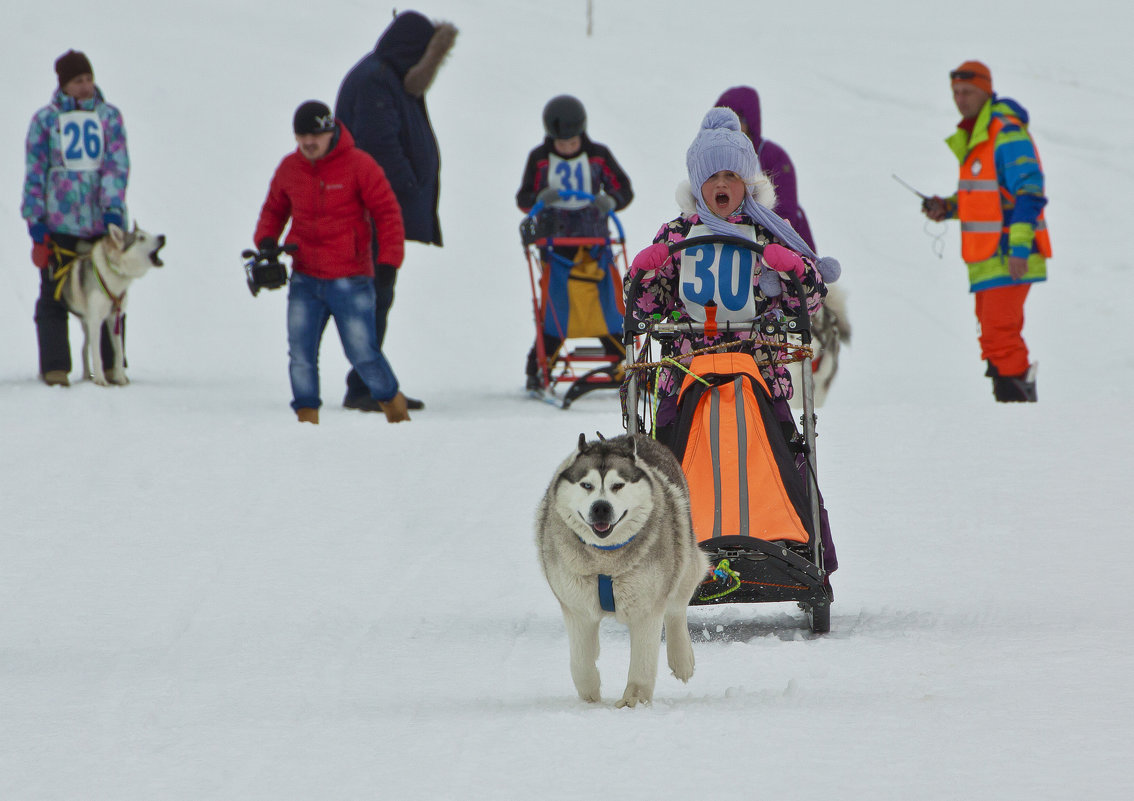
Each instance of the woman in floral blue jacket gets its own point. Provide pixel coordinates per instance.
(77, 169)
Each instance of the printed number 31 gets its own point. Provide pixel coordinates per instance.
(564, 170)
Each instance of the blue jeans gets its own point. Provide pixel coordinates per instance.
(310, 303)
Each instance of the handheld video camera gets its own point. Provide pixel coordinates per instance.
(263, 267)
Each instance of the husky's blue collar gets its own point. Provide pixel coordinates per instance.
(607, 547)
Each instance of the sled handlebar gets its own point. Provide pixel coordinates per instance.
(769, 327)
(739, 241)
(564, 194)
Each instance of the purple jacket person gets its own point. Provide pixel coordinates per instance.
(774, 159)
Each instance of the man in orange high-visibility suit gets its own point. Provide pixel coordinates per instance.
(1004, 238)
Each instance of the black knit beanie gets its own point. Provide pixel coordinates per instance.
(71, 65)
(313, 117)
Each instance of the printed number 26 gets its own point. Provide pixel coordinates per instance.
(82, 143)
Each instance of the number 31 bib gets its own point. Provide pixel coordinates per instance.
(573, 175)
(721, 274)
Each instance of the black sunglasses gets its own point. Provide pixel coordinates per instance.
(963, 75)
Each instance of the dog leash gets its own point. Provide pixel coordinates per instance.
(116, 301)
(723, 572)
(793, 353)
(59, 275)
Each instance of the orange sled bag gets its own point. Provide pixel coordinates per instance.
(743, 479)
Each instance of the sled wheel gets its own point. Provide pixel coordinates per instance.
(819, 618)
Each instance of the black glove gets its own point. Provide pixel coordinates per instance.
(269, 247)
(385, 274)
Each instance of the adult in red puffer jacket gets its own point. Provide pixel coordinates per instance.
(328, 200)
(330, 191)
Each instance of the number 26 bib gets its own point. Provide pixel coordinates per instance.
(80, 135)
(721, 274)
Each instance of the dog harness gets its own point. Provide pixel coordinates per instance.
(115, 300)
(62, 274)
(605, 582)
(606, 592)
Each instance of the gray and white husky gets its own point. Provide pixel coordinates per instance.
(615, 538)
(95, 291)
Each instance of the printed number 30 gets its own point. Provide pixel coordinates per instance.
(734, 275)
(82, 143)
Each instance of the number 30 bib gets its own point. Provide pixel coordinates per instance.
(721, 274)
(80, 134)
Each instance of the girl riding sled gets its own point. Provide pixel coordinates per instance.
(728, 195)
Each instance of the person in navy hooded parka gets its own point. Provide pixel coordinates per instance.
(382, 103)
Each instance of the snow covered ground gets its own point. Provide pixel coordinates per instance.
(201, 599)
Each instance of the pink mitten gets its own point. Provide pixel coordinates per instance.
(650, 258)
(783, 260)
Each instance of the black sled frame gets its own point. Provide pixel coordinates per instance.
(747, 569)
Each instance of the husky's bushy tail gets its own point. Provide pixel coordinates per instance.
(831, 329)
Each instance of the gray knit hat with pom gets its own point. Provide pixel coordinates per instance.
(721, 145)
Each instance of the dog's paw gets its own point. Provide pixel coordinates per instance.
(118, 379)
(635, 694)
(589, 690)
(100, 380)
(679, 656)
(682, 666)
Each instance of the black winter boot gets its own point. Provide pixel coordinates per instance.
(1015, 388)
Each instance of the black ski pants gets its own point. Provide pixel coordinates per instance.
(385, 277)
